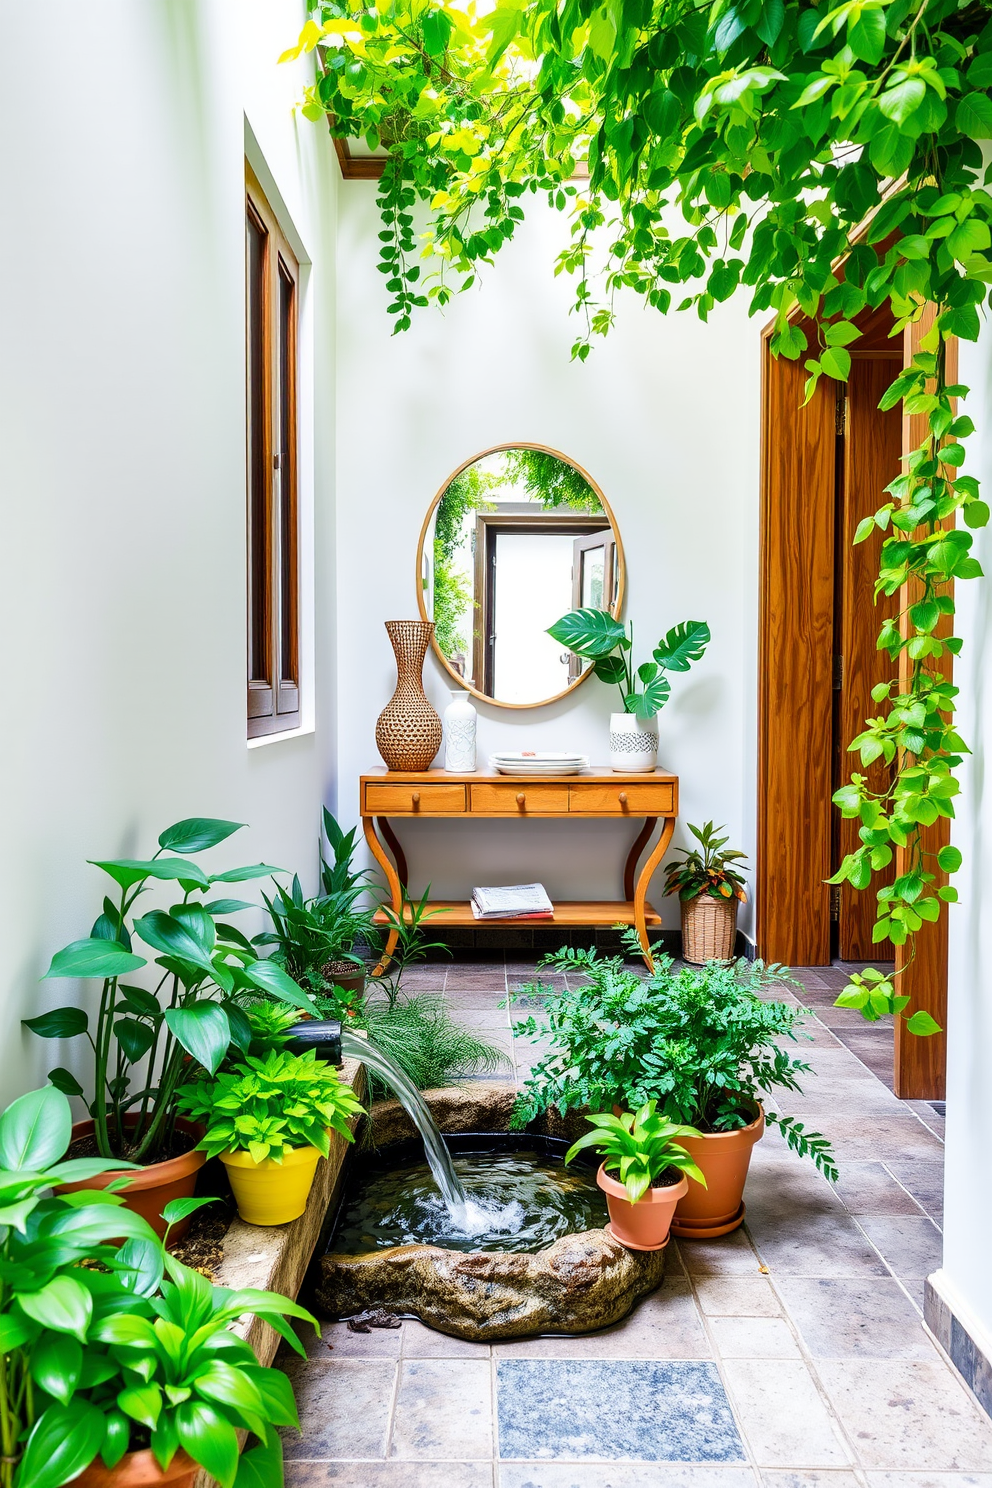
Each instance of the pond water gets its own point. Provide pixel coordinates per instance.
(520, 1200)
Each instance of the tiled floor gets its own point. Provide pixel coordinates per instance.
(790, 1354)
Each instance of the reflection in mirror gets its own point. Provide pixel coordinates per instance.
(516, 538)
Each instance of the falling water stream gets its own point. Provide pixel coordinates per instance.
(438, 1157)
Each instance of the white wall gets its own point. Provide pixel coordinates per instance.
(968, 1196)
(664, 415)
(122, 544)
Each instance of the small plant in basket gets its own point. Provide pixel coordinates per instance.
(709, 887)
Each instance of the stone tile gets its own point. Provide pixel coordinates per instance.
(870, 1188)
(929, 1480)
(627, 1475)
(783, 1415)
(754, 1338)
(925, 1181)
(912, 1247)
(344, 1407)
(464, 1001)
(900, 1415)
(389, 1475)
(618, 1410)
(845, 1319)
(860, 1136)
(424, 979)
(664, 1325)
(737, 1296)
(420, 1342)
(814, 1478)
(475, 981)
(731, 1255)
(812, 1241)
(484, 1018)
(336, 1341)
(443, 1410)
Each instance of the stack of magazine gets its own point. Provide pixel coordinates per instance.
(512, 902)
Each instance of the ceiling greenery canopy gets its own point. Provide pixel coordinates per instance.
(747, 146)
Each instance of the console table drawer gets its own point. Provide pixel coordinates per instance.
(519, 798)
(408, 800)
(636, 799)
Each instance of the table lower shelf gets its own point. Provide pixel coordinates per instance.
(567, 912)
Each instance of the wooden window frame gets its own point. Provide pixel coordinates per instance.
(272, 309)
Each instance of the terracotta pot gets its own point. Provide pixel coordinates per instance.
(139, 1470)
(408, 731)
(709, 929)
(644, 1225)
(154, 1186)
(724, 1158)
(352, 980)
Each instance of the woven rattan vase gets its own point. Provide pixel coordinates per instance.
(709, 928)
(408, 731)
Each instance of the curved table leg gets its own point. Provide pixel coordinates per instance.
(392, 842)
(630, 867)
(395, 889)
(641, 889)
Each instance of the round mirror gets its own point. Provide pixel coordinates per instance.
(514, 540)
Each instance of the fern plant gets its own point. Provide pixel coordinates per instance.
(701, 1042)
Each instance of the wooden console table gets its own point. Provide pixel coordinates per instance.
(591, 795)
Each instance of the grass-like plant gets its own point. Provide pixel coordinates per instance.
(701, 1042)
(641, 1146)
(268, 1106)
(430, 1046)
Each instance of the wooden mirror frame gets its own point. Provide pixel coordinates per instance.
(616, 609)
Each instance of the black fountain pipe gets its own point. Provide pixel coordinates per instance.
(323, 1035)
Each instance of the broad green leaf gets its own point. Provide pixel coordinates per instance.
(609, 669)
(165, 933)
(866, 34)
(35, 1130)
(203, 1030)
(261, 1467)
(93, 958)
(974, 116)
(56, 1365)
(134, 1038)
(653, 698)
(922, 1024)
(64, 1305)
(117, 1437)
(683, 644)
(196, 833)
(129, 871)
(271, 978)
(209, 1438)
(178, 1209)
(591, 633)
(63, 1441)
(241, 875)
(65, 1081)
(144, 1263)
(143, 1403)
(949, 859)
(63, 1022)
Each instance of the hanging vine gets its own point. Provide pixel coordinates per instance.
(744, 144)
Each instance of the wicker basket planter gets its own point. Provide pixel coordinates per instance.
(709, 929)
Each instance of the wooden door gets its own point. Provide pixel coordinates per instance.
(795, 676)
(872, 444)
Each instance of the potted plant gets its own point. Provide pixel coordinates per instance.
(654, 1171)
(118, 1365)
(268, 1120)
(709, 891)
(147, 1041)
(315, 940)
(597, 636)
(703, 1043)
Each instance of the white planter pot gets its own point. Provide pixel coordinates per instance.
(460, 720)
(633, 742)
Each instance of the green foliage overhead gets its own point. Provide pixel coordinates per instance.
(824, 159)
(703, 1043)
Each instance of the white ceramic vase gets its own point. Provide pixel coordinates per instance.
(460, 719)
(633, 742)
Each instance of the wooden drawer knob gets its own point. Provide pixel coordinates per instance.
(623, 798)
(416, 798)
(521, 798)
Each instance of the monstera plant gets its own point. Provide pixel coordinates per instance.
(608, 644)
(147, 1040)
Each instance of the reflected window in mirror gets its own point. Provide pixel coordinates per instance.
(516, 538)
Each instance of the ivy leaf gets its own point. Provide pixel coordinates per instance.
(922, 1024)
(866, 34)
(836, 363)
(974, 116)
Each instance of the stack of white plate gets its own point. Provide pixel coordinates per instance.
(534, 762)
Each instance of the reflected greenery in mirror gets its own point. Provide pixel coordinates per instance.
(515, 535)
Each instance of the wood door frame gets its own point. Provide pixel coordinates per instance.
(792, 857)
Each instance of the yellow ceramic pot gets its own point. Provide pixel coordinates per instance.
(271, 1192)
